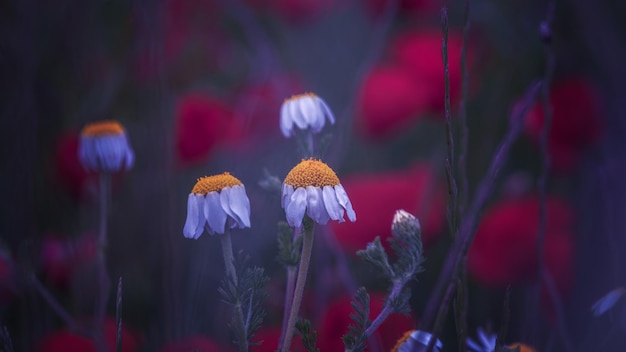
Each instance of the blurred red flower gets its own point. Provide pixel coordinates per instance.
(389, 100)
(504, 250)
(270, 336)
(405, 7)
(419, 53)
(293, 11)
(64, 340)
(60, 258)
(376, 197)
(68, 169)
(259, 104)
(203, 123)
(576, 121)
(194, 343)
(336, 319)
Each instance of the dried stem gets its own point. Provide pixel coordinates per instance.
(466, 231)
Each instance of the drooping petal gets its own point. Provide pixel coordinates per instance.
(315, 205)
(214, 213)
(334, 209)
(225, 203)
(240, 205)
(286, 195)
(194, 225)
(608, 301)
(296, 114)
(343, 199)
(286, 122)
(296, 207)
(327, 111)
(311, 113)
(86, 154)
(130, 158)
(473, 345)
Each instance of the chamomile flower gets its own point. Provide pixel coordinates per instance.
(104, 147)
(216, 203)
(304, 111)
(312, 187)
(416, 340)
(486, 342)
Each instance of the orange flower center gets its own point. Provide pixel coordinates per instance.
(299, 96)
(311, 172)
(101, 128)
(523, 347)
(402, 340)
(214, 183)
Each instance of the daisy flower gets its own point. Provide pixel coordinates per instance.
(304, 111)
(216, 203)
(416, 340)
(104, 147)
(312, 187)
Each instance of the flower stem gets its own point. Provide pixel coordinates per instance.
(307, 246)
(289, 289)
(229, 262)
(102, 274)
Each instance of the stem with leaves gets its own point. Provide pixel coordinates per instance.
(231, 275)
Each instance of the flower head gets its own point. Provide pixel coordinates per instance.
(305, 111)
(413, 339)
(216, 202)
(487, 343)
(104, 147)
(314, 188)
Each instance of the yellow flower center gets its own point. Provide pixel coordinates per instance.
(214, 183)
(100, 128)
(311, 172)
(523, 347)
(402, 340)
(298, 96)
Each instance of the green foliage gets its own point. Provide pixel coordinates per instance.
(375, 254)
(309, 337)
(355, 339)
(288, 248)
(247, 293)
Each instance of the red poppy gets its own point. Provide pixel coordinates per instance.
(203, 123)
(195, 343)
(269, 336)
(376, 197)
(389, 101)
(66, 341)
(336, 319)
(505, 248)
(419, 53)
(61, 257)
(576, 121)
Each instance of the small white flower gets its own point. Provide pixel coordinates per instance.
(312, 187)
(216, 203)
(404, 223)
(104, 147)
(486, 343)
(304, 111)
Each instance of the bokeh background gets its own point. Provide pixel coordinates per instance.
(198, 85)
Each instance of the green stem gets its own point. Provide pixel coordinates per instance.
(307, 246)
(229, 262)
(289, 289)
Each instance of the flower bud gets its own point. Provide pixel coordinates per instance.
(405, 224)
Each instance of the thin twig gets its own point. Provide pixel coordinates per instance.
(464, 149)
(118, 316)
(466, 230)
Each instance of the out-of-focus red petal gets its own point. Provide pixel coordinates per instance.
(376, 197)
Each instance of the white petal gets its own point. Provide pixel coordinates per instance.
(488, 340)
(130, 158)
(327, 111)
(312, 113)
(225, 203)
(315, 205)
(240, 205)
(286, 123)
(214, 214)
(296, 114)
(473, 345)
(296, 207)
(194, 225)
(607, 302)
(343, 199)
(334, 209)
(286, 195)
(86, 154)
